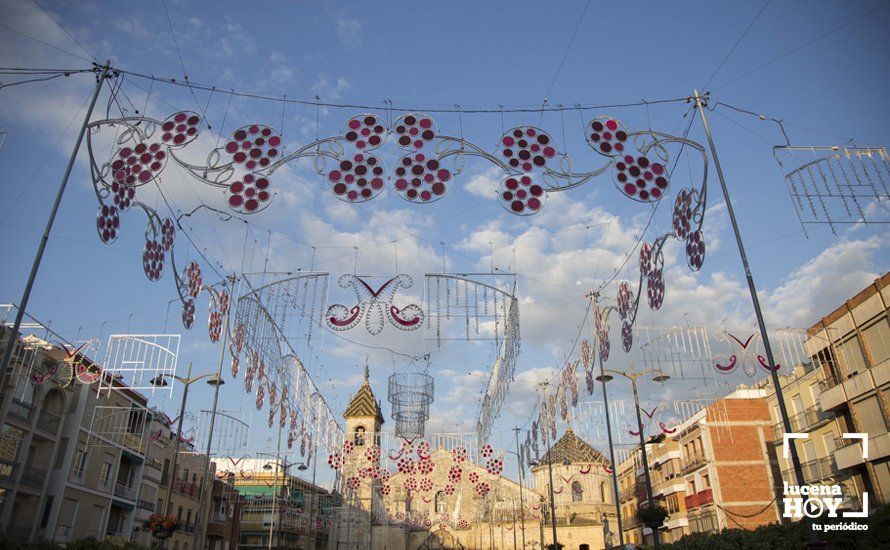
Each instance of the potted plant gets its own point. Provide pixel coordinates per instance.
(161, 526)
(652, 516)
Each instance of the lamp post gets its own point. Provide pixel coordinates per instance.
(521, 503)
(284, 466)
(161, 381)
(658, 376)
(550, 475)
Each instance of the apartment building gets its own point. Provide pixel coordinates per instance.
(71, 462)
(76, 464)
(717, 471)
(852, 345)
(278, 505)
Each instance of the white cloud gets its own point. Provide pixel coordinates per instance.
(349, 31)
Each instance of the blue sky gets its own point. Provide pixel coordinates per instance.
(801, 62)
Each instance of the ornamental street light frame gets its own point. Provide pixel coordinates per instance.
(658, 376)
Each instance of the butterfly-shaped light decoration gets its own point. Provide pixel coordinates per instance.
(374, 305)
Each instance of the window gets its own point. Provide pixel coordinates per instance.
(79, 466)
(705, 481)
(870, 418)
(851, 355)
(828, 439)
(359, 436)
(440, 502)
(797, 404)
(105, 474)
(877, 341)
(577, 492)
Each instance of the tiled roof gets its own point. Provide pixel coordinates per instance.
(364, 404)
(574, 449)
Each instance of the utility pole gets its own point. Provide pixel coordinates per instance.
(102, 73)
(594, 296)
(521, 502)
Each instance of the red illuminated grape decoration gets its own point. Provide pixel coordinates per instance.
(641, 179)
(358, 179)
(421, 178)
(521, 195)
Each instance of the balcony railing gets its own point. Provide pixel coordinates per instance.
(803, 422)
(145, 505)
(124, 491)
(217, 517)
(49, 422)
(693, 461)
(21, 411)
(7, 470)
(813, 470)
(186, 488)
(699, 499)
(33, 477)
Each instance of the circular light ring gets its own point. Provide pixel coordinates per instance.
(482, 489)
(354, 483)
(454, 474)
(684, 206)
(494, 466)
(420, 178)
(406, 465)
(448, 490)
(655, 288)
(385, 490)
(487, 450)
(335, 460)
(423, 449)
(459, 455)
(520, 195)
(153, 259)
(139, 164)
(426, 485)
(640, 179)
(123, 195)
(474, 477)
(194, 283)
(366, 132)
(250, 194)
(605, 347)
(606, 136)
(214, 326)
(358, 179)
(188, 313)
(425, 466)
(168, 234)
(625, 299)
(180, 129)
(645, 259)
(254, 146)
(627, 337)
(695, 250)
(249, 373)
(413, 131)
(108, 223)
(526, 148)
(260, 395)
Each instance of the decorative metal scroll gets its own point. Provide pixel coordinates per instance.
(837, 185)
(243, 166)
(231, 432)
(374, 305)
(684, 352)
(483, 310)
(140, 362)
(124, 426)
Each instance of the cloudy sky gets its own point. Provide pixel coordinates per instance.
(823, 71)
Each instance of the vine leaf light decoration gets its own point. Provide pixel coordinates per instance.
(374, 305)
(837, 185)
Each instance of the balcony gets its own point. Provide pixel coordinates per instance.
(625, 494)
(7, 470)
(63, 533)
(124, 491)
(217, 517)
(805, 421)
(21, 411)
(859, 383)
(33, 477)
(49, 422)
(186, 488)
(693, 461)
(699, 499)
(145, 505)
(850, 454)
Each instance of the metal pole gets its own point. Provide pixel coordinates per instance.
(26, 295)
(611, 449)
(513, 503)
(633, 381)
(275, 490)
(552, 505)
(199, 538)
(786, 423)
(521, 503)
(168, 505)
(312, 506)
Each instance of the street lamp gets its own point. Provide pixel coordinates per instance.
(565, 462)
(160, 381)
(658, 376)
